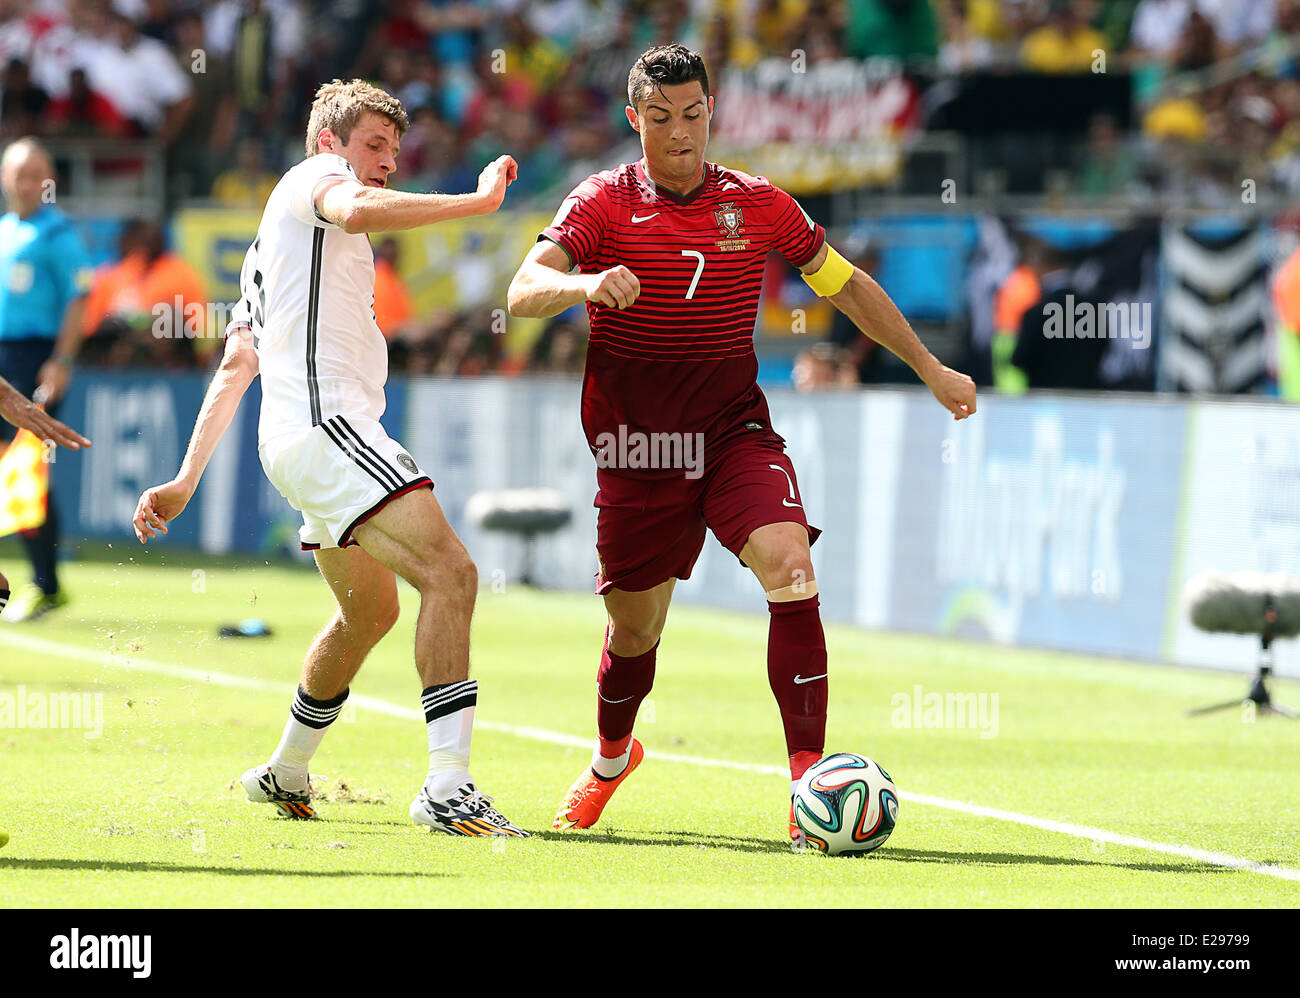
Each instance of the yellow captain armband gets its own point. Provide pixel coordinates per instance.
(833, 274)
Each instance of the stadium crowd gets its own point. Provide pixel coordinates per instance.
(222, 88)
(224, 85)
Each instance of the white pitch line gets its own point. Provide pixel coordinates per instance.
(130, 663)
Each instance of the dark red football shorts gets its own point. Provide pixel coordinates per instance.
(651, 530)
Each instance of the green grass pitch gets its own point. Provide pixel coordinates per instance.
(147, 813)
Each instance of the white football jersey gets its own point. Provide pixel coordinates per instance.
(308, 292)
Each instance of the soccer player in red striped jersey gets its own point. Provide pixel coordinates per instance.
(668, 254)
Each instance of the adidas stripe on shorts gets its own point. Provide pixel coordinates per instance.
(339, 474)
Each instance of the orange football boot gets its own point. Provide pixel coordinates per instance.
(590, 793)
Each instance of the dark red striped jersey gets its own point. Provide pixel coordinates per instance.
(681, 359)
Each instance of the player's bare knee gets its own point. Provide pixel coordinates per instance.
(365, 624)
(792, 567)
(462, 575)
(633, 638)
(449, 574)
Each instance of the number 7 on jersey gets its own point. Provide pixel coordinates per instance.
(699, 269)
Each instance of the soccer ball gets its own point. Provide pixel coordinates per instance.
(846, 805)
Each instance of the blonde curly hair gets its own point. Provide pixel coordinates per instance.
(338, 106)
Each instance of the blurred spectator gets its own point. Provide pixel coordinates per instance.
(902, 29)
(1016, 296)
(962, 51)
(402, 78)
(1114, 19)
(1178, 119)
(823, 365)
(141, 78)
(775, 23)
(1197, 46)
(393, 309)
(1065, 44)
(1047, 349)
(604, 67)
(206, 139)
(821, 32)
(1286, 305)
(248, 184)
(1239, 23)
(539, 58)
(1157, 27)
(158, 19)
(263, 41)
(562, 346)
(432, 158)
(1109, 167)
(24, 106)
(987, 19)
(470, 349)
(83, 113)
(148, 308)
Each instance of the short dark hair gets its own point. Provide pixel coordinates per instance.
(665, 65)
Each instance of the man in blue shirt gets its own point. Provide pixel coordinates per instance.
(44, 278)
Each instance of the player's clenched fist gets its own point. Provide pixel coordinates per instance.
(493, 181)
(617, 287)
(954, 390)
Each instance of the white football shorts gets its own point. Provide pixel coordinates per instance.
(339, 474)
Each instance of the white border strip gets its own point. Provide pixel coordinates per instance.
(130, 663)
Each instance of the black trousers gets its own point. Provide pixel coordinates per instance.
(20, 363)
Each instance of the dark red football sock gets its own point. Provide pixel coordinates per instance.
(621, 685)
(796, 668)
(801, 762)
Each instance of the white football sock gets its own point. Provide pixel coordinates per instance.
(309, 719)
(449, 716)
(610, 768)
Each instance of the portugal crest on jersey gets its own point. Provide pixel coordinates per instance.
(729, 219)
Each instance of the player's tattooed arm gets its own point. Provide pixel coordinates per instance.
(870, 309)
(236, 372)
(355, 207)
(543, 286)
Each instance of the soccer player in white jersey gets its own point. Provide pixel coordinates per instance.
(305, 324)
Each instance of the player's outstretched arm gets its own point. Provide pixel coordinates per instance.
(871, 310)
(354, 207)
(543, 287)
(25, 414)
(165, 502)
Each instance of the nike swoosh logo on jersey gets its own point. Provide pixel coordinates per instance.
(799, 680)
(645, 218)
